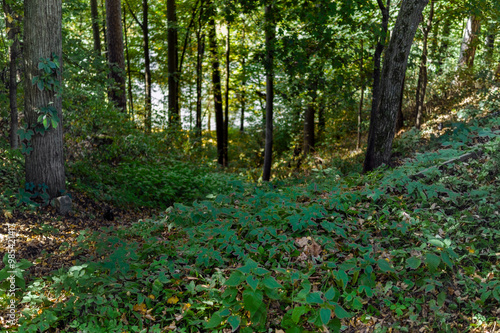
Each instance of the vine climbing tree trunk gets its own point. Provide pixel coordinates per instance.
(270, 27)
(43, 40)
(383, 120)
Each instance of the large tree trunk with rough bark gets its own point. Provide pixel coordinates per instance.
(270, 27)
(422, 74)
(469, 42)
(12, 23)
(216, 82)
(116, 57)
(383, 120)
(173, 75)
(94, 13)
(43, 39)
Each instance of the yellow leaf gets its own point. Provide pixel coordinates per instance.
(186, 306)
(7, 214)
(471, 250)
(173, 300)
(140, 308)
(152, 297)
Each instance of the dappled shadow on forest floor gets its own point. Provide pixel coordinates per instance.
(45, 238)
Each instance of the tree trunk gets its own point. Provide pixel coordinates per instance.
(12, 24)
(105, 33)
(469, 42)
(422, 74)
(129, 73)
(490, 42)
(199, 80)
(309, 139)
(216, 82)
(382, 123)
(226, 97)
(443, 47)
(270, 27)
(243, 86)
(116, 57)
(173, 81)
(43, 39)
(360, 109)
(147, 66)
(94, 13)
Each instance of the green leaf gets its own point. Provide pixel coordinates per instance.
(314, 298)
(271, 282)
(298, 312)
(253, 282)
(385, 266)
(446, 259)
(436, 242)
(330, 293)
(325, 315)
(235, 279)
(343, 278)
(413, 262)
(24, 264)
(252, 300)
(261, 271)
(40, 85)
(234, 321)
(341, 313)
(215, 321)
(54, 123)
(249, 265)
(368, 291)
(432, 261)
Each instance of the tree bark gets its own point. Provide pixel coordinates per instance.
(129, 73)
(309, 139)
(422, 74)
(116, 57)
(443, 47)
(243, 86)
(43, 39)
(94, 13)
(226, 97)
(469, 42)
(360, 109)
(270, 27)
(173, 75)
(12, 24)
(199, 80)
(382, 123)
(147, 66)
(216, 82)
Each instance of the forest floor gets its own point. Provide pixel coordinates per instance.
(384, 252)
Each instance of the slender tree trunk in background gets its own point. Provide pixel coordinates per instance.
(443, 47)
(12, 25)
(309, 139)
(360, 109)
(422, 74)
(173, 80)
(376, 61)
(490, 41)
(469, 42)
(94, 13)
(270, 27)
(199, 79)
(129, 73)
(105, 33)
(216, 82)
(116, 57)
(383, 121)
(226, 97)
(147, 66)
(321, 120)
(243, 86)
(43, 39)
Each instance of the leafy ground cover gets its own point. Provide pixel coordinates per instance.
(380, 252)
